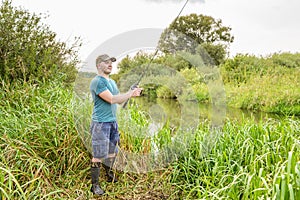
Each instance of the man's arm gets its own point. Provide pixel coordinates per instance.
(119, 98)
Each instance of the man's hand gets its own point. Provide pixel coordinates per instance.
(136, 91)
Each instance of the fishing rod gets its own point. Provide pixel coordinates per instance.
(152, 58)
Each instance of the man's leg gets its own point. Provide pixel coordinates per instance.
(114, 140)
(100, 146)
(95, 173)
(108, 166)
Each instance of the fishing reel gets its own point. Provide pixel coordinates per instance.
(134, 86)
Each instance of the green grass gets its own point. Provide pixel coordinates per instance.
(274, 93)
(277, 92)
(269, 84)
(39, 144)
(250, 161)
(43, 156)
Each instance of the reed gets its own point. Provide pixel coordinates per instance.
(250, 161)
(43, 155)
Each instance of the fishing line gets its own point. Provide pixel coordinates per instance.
(152, 58)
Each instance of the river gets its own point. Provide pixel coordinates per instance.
(174, 111)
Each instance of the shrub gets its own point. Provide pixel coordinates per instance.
(29, 49)
(286, 59)
(165, 92)
(240, 68)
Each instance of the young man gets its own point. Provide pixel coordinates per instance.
(104, 127)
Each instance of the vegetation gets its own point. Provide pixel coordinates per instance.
(249, 161)
(40, 148)
(189, 32)
(44, 143)
(43, 157)
(199, 34)
(268, 84)
(29, 49)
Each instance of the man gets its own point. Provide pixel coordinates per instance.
(104, 127)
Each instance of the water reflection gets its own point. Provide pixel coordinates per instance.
(163, 110)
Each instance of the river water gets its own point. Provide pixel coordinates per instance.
(174, 111)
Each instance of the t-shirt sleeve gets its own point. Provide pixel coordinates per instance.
(101, 86)
(115, 87)
(98, 86)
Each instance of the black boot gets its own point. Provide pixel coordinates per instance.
(95, 172)
(108, 164)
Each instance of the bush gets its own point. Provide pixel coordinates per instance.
(240, 68)
(29, 49)
(267, 84)
(165, 92)
(286, 59)
(276, 92)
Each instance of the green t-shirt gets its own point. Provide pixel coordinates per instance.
(103, 111)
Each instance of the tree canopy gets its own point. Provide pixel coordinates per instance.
(188, 32)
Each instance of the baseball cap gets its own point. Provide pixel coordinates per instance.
(104, 57)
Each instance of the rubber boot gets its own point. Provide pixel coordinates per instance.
(95, 172)
(108, 164)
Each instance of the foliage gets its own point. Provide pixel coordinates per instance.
(239, 69)
(243, 66)
(278, 92)
(39, 145)
(212, 54)
(286, 59)
(176, 62)
(192, 76)
(30, 50)
(165, 93)
(42, 156)
(41, 152)
(268, 84)
(129, 63)
(188, 32)
(196, 88)
(151, 76)
(249, 161)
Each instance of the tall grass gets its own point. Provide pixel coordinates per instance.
(278, 92)
(250, 161)
(39, 145)
(269, 84)
(43, 157)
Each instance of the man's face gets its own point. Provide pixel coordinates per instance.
(106, 66)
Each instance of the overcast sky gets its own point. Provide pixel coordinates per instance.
(260, 27)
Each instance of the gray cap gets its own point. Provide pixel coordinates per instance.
(104, 57)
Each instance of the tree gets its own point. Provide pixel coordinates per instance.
(128, 63)
(188, 32)
(211, 54)
(29, 50)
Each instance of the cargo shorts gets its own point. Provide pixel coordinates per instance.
(105, 138)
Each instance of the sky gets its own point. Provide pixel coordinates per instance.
(260, 27)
